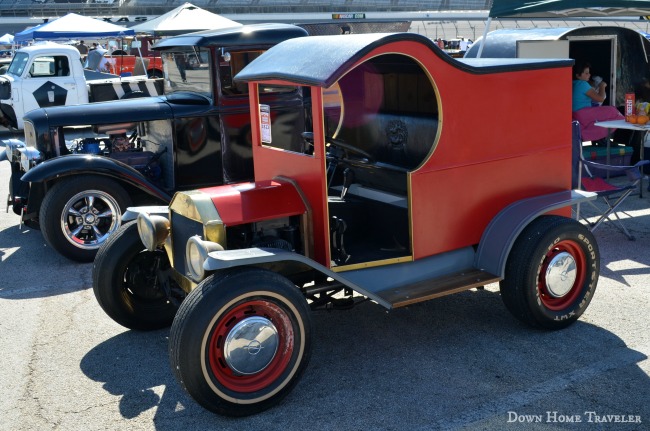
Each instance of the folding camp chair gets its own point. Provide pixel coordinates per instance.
(591, 177)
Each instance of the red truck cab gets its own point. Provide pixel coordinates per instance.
(419, 176)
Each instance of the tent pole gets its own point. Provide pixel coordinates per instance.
(144, 67)
(485, 32)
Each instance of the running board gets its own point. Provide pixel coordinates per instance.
(434, 288)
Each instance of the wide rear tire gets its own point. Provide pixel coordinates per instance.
(241, 341)
(551, 273)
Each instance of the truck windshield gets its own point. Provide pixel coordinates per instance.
(187, 71)
(17, 66)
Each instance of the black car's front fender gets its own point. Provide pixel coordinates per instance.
(88, 164)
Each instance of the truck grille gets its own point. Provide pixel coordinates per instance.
(182, 228)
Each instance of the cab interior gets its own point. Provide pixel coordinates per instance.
(383, 127)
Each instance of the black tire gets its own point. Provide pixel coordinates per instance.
(204, 361)
(551, 273)
(70, 203)
(128, 282)
(134, 95)
(155, 73)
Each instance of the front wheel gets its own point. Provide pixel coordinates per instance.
(241, 341)
(551, 273)
(133, 285)
(79, 213)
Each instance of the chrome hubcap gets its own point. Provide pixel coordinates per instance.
(251, 345)
(561, 274)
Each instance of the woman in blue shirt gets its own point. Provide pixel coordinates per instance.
(583, 92)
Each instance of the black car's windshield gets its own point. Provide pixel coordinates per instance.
(18, 64)
(187, 71)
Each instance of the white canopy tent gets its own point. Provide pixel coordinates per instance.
(73, 26)
(186, 18)
(7, 39)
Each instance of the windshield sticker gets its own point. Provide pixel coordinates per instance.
(265, 123)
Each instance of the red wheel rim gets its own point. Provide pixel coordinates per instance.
(266, 377)
(552, 302)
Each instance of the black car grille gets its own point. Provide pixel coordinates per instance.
(182, 228)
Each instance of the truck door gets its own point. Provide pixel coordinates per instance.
(49, 81)
(288, 113)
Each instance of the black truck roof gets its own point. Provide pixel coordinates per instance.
(244, 35)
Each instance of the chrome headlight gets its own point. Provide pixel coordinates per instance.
(30, 134)
(153, 230)
(196, 252)
(29, 157)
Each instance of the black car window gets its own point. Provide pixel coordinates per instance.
(231, 63)
(187, 71)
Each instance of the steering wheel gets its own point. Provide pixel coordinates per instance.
(309, 138)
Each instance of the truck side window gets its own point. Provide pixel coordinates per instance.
(187, 71)
(61, 67)
(46, 66)
(230, 64)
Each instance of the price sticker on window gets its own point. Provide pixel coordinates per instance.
(265, 123)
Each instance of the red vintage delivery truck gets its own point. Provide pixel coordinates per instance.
(418, 175)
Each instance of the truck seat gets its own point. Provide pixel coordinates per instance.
(397, 143)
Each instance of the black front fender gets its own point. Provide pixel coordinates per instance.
(89, 164)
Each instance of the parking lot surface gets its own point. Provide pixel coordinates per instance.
(460, 362)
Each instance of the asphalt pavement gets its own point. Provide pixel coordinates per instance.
(460, 362)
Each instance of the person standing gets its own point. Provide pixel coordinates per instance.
(82, 47)
(463, 45)
(181, 63)
(94, 59)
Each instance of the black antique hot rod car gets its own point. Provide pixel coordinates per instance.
(81, 166)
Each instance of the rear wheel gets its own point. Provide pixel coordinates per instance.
(77, 215)
(551, 272)
(155, 73)
(133, 285)
(134, 94)
(241, 341)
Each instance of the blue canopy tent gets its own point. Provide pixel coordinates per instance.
(73, 26)
(565, 9)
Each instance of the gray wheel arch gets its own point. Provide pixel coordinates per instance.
(505, 227)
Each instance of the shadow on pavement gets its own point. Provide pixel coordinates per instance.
(370, 367)
(25, 261)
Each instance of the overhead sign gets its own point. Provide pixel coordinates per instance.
(348, 16)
